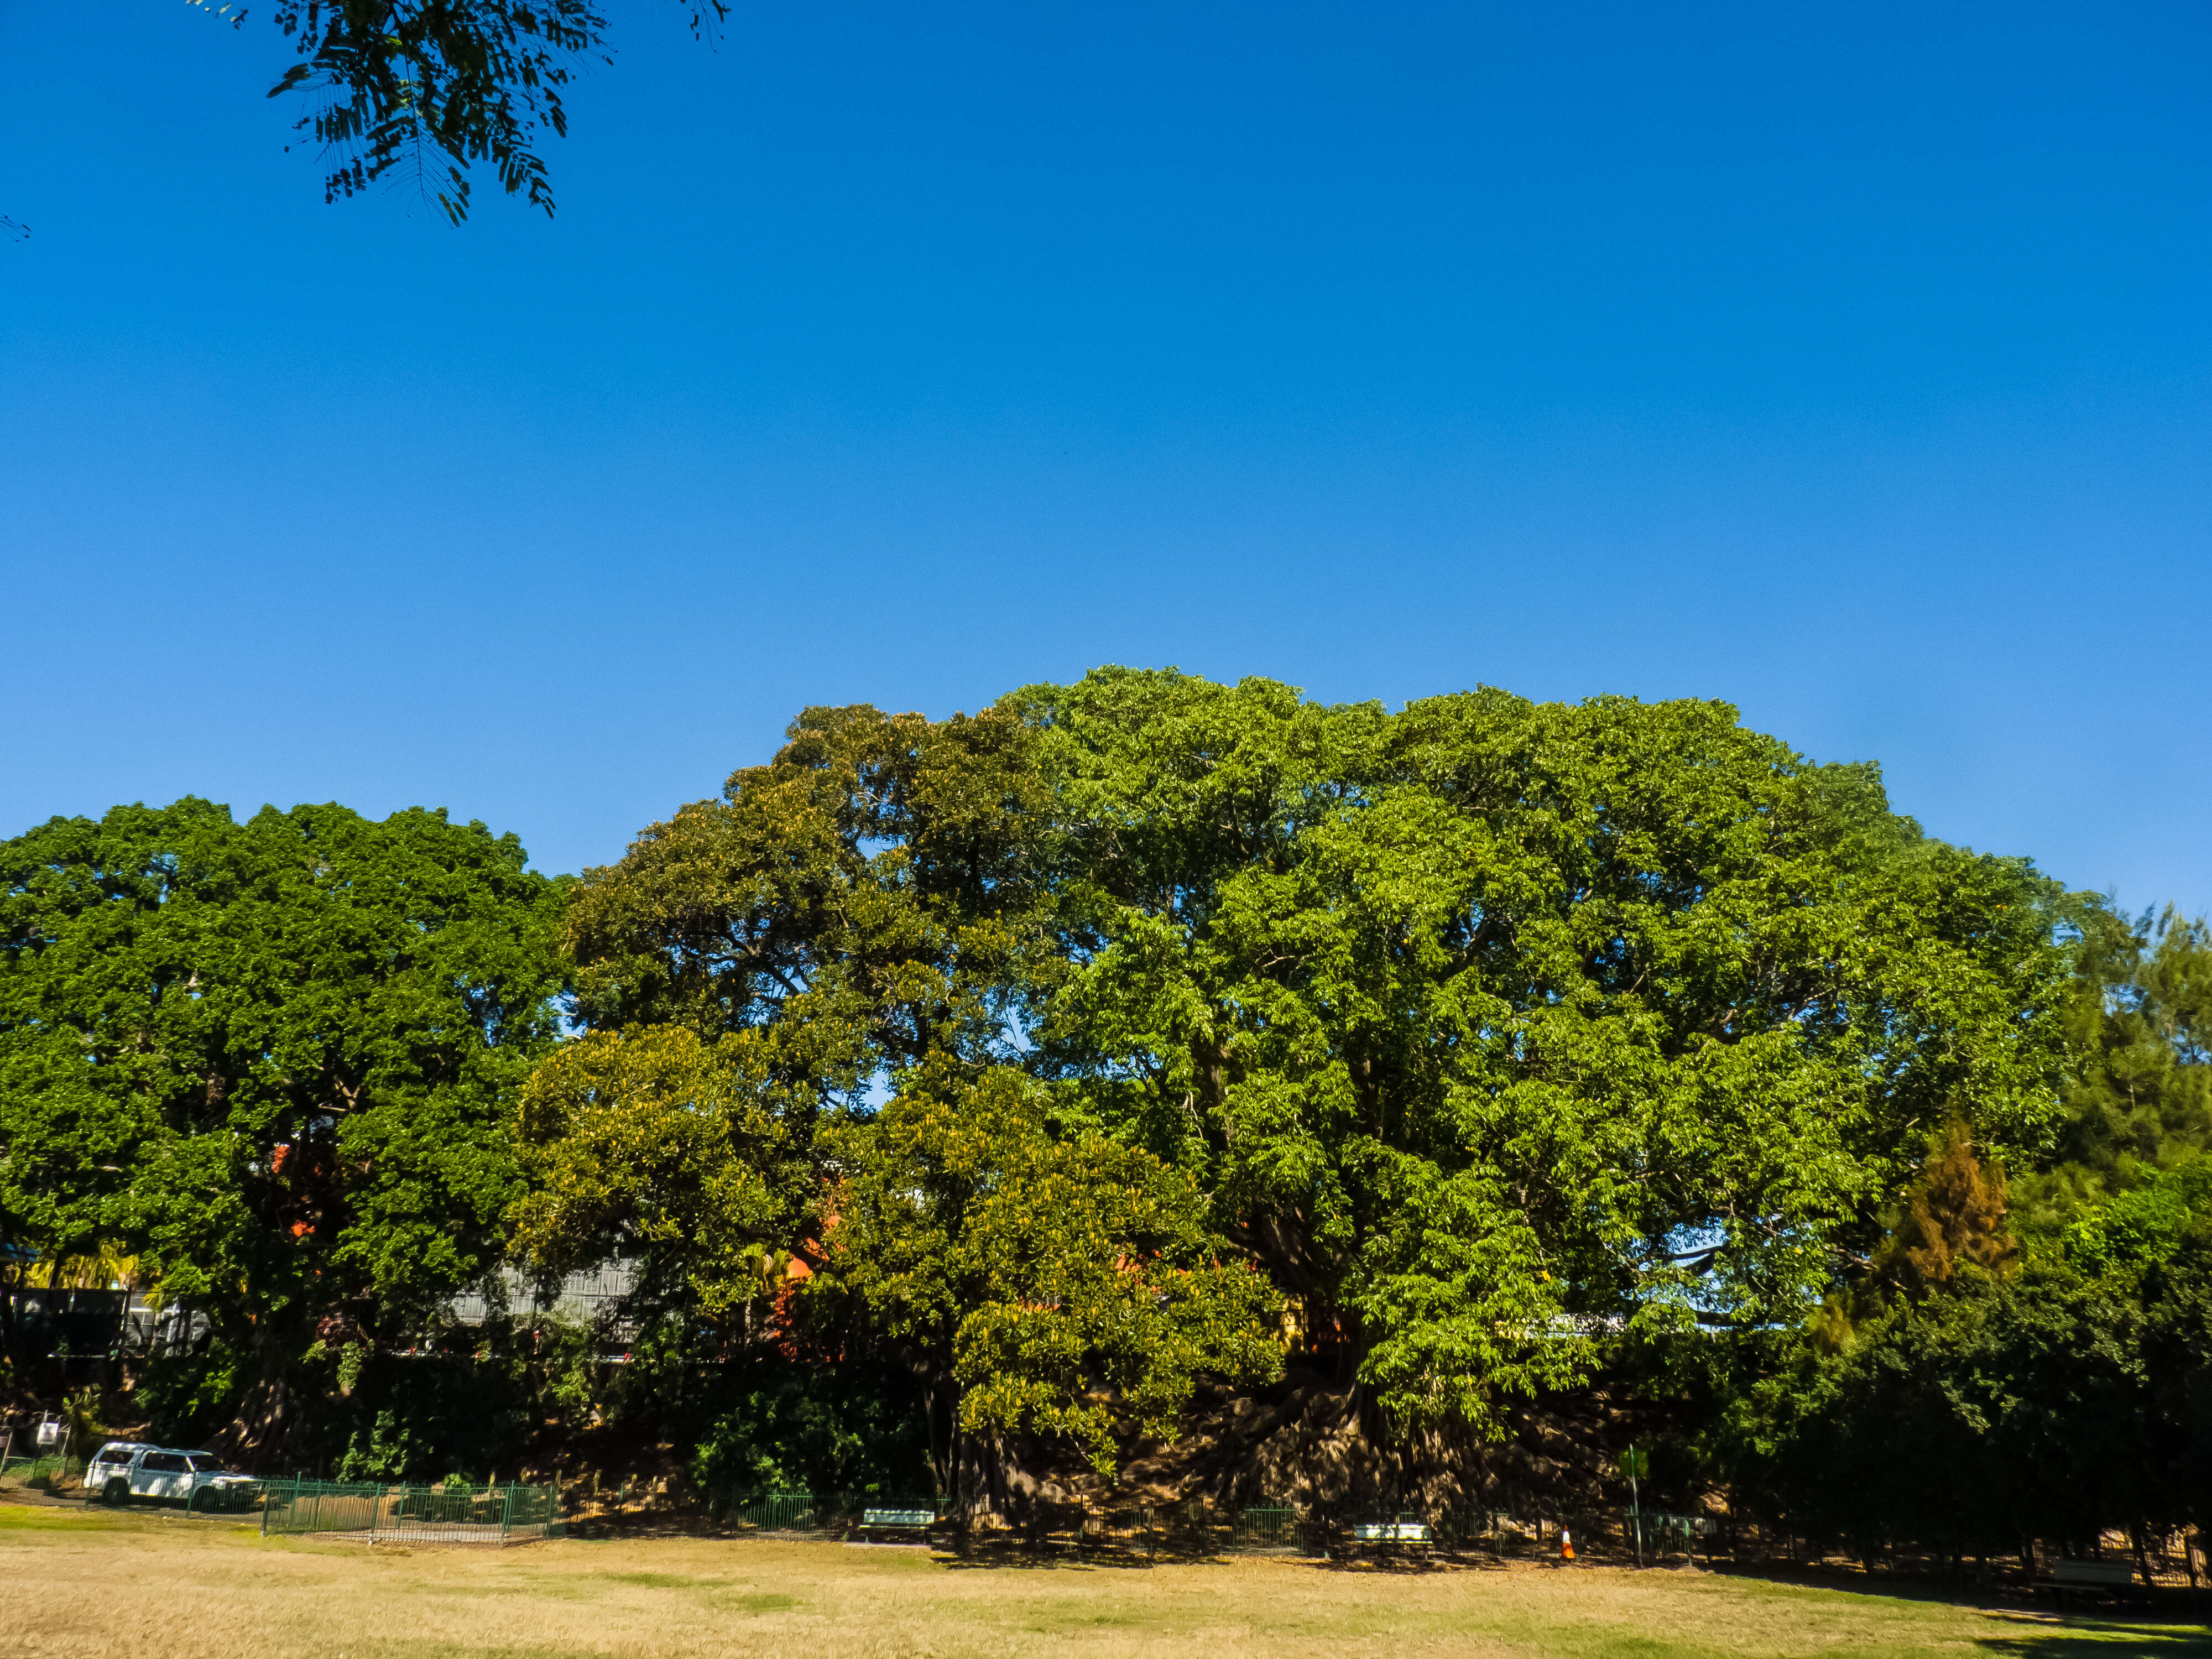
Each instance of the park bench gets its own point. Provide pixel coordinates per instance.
(1393, 1534)
(2112, 1578)
(906, 1523)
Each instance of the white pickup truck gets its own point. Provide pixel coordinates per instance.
(127, 1470)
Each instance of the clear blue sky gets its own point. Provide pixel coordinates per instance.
(1846, 362)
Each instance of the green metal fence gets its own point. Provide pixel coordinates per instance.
(51, 1464)
(1655, 1532)
(410, 1515)
(785, 1511)
(209, 1496)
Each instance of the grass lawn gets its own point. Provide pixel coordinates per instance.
(79, 1582)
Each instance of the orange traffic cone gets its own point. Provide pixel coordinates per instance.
(1567, 1546)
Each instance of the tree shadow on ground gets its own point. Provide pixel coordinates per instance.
(1052, 1554)
(2172, 1627)
(2100, 1639)
(2167, 1608)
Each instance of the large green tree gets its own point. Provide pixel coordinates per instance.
(276, 1059)
(1468, 1024)
(1970, 1398)
(763, 967)
(806, 1005)
(1473, 1018)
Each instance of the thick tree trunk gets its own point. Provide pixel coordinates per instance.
(257, 1439)
(940, 1452)
(985, 1490)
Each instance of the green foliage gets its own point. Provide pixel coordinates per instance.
(1460, 1023)
(2007, 1408)
(664, 1149)
(414, 85)
(869, 898)
(458, 1404)
(2144, 1224)
(871, 910)
(2138, 1094)
(413, 1418)
(275, 1058)
(1014, 1074)
(2176, 1297)
(81, 1413)
(1468, 1017)
(774, 1423)
(1067, 1284)
(2142, 1022)
(753, 969)
(1955, 1401)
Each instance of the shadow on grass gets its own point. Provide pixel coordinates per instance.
(2171, 1626)
(2097, 1639)
(1048, 1559)
(2159, 1608)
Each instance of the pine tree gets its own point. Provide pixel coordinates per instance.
(2142, 1090)
(1955, 1214)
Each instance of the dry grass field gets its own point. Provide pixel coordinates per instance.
(85, 1583)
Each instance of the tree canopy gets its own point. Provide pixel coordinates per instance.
(1022, 1092)
(1467, 1026)
(274, 1059)
(1476, 1017)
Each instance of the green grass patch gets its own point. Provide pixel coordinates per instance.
(758, 1601)
(33, 1517)
(663, 1580)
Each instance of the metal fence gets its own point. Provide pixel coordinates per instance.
(1266, 1529)
(410, 1514)
(1655, 1532)
(49, 1465)
(214, 1495)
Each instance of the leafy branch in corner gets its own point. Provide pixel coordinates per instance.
(436, 86)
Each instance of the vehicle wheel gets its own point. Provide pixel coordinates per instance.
(117, 1492)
